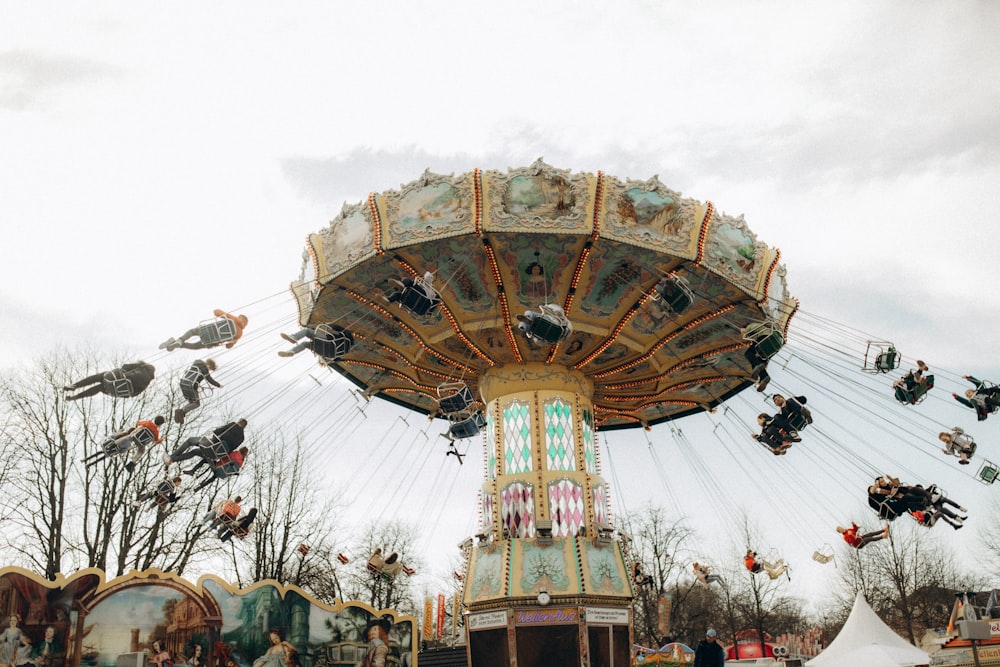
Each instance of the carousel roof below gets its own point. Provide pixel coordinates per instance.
(501, 244)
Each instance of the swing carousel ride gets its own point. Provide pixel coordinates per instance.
(560, 303)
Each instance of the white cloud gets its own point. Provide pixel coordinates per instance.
(162, 161)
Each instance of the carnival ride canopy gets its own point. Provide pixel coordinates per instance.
(502, 244)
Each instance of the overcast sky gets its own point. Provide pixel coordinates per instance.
(161, 160)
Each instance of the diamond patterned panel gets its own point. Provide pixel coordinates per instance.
(517, 438)
(559, 435)
(517, 509)
(566, 508)
(487, 498)
(600, 505)
(589, 447)
(491, 446)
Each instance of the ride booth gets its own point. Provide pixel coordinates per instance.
(547, 582)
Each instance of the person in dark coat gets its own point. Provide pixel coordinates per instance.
(228, 436)
(709, 652)
(191, 386)
(126, 382)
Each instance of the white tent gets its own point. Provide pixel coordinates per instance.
(865, 641)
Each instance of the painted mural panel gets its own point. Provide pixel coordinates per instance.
(485, 580)
(648, 214)
(460, 276)
(538, 198)
(779, 304)
(551, 567)
(604, 569)
(348, 240)
(538, 267)
(166, 620)
(428, 208)
(733, 252)
(617, 273)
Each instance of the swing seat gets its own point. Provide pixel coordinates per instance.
(917, 393)
(331, 342)
(110, 447)
(969, 451)
(415, 300)
(216, 332)
(232, 524)
(217, 446)
(797, 420)
(117, 384)
(543, 329)
(191, 383)
(884, 508)
(766, 338)
(885, 358)
(823, 555)
(467, 427)
(887, 361)
(454, 397)
(143, 438)
(241, 533)
(987, 473)
(675, 293)
(226, 470)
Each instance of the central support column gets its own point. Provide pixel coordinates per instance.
(546, 574)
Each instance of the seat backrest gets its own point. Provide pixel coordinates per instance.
(797, 420)
(213, 332)
(116, 383)
(218, 447)
(143, 437)
(766, 338)
(678, 301)
(987, 473)
(675, 293)
(547, 330)
(453, 397)
(414, 300)
(821, 556)
(887, 361)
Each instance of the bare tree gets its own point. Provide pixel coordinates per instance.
(990, 538)
(65, 515)
(293, 536)
(659, 544)
(38, 428)
(909, 580)
(755, 600)
(378, 590)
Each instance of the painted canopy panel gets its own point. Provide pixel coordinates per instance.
(575, 566)
(648, 214)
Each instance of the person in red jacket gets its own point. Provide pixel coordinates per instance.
(137, 438)
(225, 329)
(858, 541)
(228, 466)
